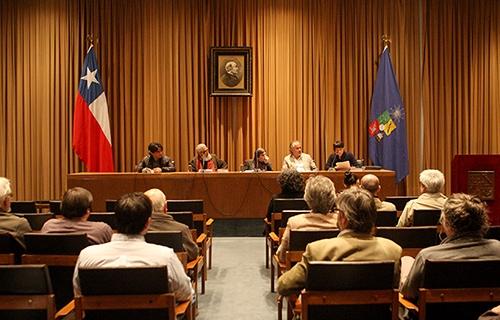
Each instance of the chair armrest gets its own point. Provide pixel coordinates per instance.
(182, 308)
(274, 237)
(64, 311)
(209, 222)
(407, 304)
(191, 265)
(201, 238)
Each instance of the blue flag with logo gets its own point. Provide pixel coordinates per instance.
(387, 124)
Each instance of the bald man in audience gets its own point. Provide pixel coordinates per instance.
(9, 222)
(371, 183)
(431, 184)
(162, 221)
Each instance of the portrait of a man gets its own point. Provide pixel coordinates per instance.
(231, 72)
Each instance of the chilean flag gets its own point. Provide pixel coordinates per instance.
(91, 133)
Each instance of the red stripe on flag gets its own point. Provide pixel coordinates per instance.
(89, 141)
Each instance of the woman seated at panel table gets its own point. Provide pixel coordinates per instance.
(260, 162)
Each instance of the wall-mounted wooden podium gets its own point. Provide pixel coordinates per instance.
(479, 175)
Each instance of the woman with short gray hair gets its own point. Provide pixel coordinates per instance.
(320, 197)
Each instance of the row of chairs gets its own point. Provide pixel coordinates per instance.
(27, 293)
(361, 290)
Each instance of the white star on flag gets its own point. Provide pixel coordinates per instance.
(90, 77)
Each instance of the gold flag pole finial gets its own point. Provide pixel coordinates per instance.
(386, 40)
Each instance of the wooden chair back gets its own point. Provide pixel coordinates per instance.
(110, 205)
(399, 201)
(184, 217)
(55, 207)
(108, 218)
(459, 289)
(493, 233)
(23, 206)
(36, 220)
(195, 206)
(10, 249)
(26, 292)
(386, 218)
(280, 204)
(171, 239)
(59, 251)
(350, 290)
(299, 239)
(145, 294)
(424, 217)
(411, 239)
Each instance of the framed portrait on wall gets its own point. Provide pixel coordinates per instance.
(231, 71)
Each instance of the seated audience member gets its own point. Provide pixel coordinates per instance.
(355, 242)
(162, 221)
(465, 222)
(493, 314)
(129, 249)
(350, 180)
(431, 184)
(371, 183)
(260, 162)
(339, 155)
(9, 222)
(292, 186)
(205, 160)
(155, 161)
(298, 160)
(320, 197)
(75, 209)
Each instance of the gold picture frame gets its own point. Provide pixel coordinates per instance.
(231, 71)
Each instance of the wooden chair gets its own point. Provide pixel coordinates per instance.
(424, 217)
(458, 289)
(36, 220)
(107, 217)
(493, 233)
(110, 205)
(23, 207)
(299, 239)
(279, 204)
(386, 218)
(10, 249)
(145, 295)
(399, 201)
(411, 239)
(59, 251)
(350, 290)
(201, 222)
(55, 207)
(26, 293)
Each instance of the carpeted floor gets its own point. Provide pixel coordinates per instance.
(238, 285)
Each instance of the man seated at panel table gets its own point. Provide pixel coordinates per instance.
(9, 222)
(298, 160)
(260, 162)
(431, 184)
(465, 222)
(205, 161)
(339, 155)
(155, 161)
(129, 249)
(162, 221)
(356, 218)
(75, 209)
(371, 183)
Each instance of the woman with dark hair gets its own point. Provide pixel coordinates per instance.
(292, 186)
(260, 162)
(350, 179)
